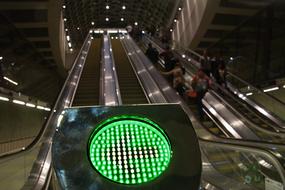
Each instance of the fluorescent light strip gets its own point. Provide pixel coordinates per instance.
(30, 105)
(249, 94)
(4, 99)
(18, 102)
(11, 81)
(47, 109)
(40, 107)
(112, 31)
(271, 89)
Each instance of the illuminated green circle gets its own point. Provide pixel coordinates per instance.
(129, 150)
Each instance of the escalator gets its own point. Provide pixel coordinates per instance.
(88, 89)
(208, 121)
(228, 163)
(130, 88)
(248, 112)
(263, 128)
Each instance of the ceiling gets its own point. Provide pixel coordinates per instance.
(81, 15)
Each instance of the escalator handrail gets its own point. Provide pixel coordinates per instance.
(149, 84)
(255, 88)
(136, 73)
(277, 130)
(117, 86)
(271, 116)
(79, 76)
(43, 164)
(109, 83)
(250, 149)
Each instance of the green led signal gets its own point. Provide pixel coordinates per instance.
(129, 150)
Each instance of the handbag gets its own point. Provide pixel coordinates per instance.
(192, 94)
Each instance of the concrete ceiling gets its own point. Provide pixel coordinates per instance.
(230, 14)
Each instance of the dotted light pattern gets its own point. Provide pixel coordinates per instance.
(130, 151)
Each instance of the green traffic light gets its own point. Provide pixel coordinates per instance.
(129, 150)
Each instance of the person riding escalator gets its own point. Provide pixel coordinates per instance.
(200, 85)
(178, 81)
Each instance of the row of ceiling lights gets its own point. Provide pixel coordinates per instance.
(66, 33)
(28, 104)
(175, 20)
(107, 7)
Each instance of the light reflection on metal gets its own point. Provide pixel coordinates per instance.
(224, 122)
(30, 105)
(10, 80)
(60, 117)
(4, 99)
(109, 84)
(271, 89)
(19, 102)
(265, 164)
(40, 107)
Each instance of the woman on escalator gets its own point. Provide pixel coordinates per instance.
(178, 82)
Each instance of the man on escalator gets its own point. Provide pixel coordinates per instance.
(169, 60)
(152, 53)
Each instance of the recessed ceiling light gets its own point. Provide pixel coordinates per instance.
(66, 30)
(175, 20)
(107, 19)
(136, 23)
(171, 30)
(92, 23)
(122, 19)
(78, 28)
(123, 7)
(63, 6)
(107, 7)
(1, 58)
(65, 19)
(179, 8)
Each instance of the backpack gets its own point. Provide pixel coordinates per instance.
(200, 85)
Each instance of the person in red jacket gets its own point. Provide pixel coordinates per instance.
(200, 84)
